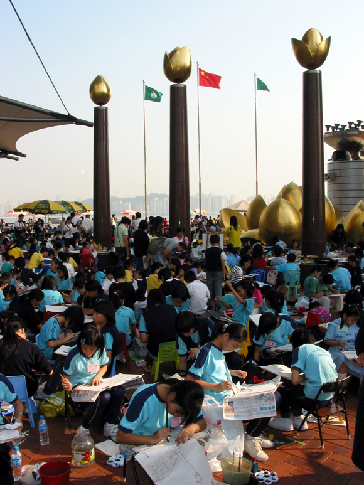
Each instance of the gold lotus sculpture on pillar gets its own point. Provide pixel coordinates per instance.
(312, 50)
(255, 209)
(100, 90)
(353, 223)
(177, 65)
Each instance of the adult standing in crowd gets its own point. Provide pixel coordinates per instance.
(141, 241)
(121, 239)
(87, 225)
(19, 227)
(135, 222)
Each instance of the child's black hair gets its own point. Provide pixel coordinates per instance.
(156, 266)
(331, 265)
(236, 331)
(328, 279)
(130, 262)
(109, 270)
(291, 258)
(79, 283)
(314, 268)
(353, 297)
(352, 258)
(119, 272)
(64, 270)
(275, 302)
(20, 263)
(234, 222)
(185, 321)
(48, 283)
(10, 342)
(106, 308)
(155, 297)
(301, 336)
(268, 321)
(189, 396)
(180, 292)
(190, 276)
(75, 317)
(230, 249)
(247, 286)
(9, 290)
(349, 311)
(35, 294)
(91, 335)
(214, 239)
(165, 274)
(277, 251)
(116, 298)
(93, 285)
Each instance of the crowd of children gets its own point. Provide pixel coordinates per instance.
(171, 302)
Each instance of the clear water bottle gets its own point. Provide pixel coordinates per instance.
(43, 431)
(16, 463)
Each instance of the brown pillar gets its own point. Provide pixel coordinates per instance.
(102, 217)
(179, 176)
(313, 192)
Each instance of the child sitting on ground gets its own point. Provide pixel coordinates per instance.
(51, 295)
(109, 279)
(199, 294)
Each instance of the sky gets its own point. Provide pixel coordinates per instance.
(125, 41)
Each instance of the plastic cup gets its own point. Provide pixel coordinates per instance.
(231, 472)
(55, 473)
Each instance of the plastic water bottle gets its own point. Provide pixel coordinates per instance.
(16, 463)
(43, 431)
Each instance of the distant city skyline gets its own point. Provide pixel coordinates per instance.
(158, 203)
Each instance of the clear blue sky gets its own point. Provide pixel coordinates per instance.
(125, 41)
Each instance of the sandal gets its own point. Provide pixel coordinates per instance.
(147, 368)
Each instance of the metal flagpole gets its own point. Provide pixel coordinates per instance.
(199, 146)
(145, 158)
(256, 146)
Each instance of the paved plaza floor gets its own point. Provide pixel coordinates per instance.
(294, 463)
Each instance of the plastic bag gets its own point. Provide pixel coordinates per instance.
(272, 277)
(233, 431)
(139, 349)
(302, 301)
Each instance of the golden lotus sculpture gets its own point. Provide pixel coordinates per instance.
(281, 219)
(177, 65)
(100, 90)
(312, 50)
(226, 213)
(255, 210)
(252, 234)
(356, 230)
(351, 218)
(293, 193)
(330, 216)
(338, 215)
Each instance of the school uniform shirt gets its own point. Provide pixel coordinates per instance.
(283, 268)
(80, 369)
(1, 295)
(4, 304)
(181, 308)
(153, 283)
(342, 278)
(147, 412)
(210, 366)
(34, 261)
(158, 323)
(229, 298)
(128, 276)
(232, 260)
(51, 330)
(318, 367)
(199, 337)
(124, 317)
(7, 392)
(279, 336)
(63, 284)
(277, 261)
(7, 268)
(242, 312)
(308, 285)
(106, 285)
(51, 297)
(199, 296)
(348, 333)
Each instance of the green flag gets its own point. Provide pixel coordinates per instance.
(261, 86)
(152, 95)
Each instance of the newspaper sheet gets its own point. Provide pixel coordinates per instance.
(251, 401)
(279, 370)
(280, 350)
(85, 393)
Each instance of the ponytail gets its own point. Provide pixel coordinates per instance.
(115, 298)
(10, 342)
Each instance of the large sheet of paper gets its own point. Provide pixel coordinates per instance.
(63, 350)
(168, 464)
(280, 350)
(278, 369)
(251, 401)
(86, 393)
(350, 354)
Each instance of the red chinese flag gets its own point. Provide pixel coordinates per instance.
(209, 80)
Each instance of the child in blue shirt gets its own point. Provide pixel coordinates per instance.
(87, 364)
(9, 293)
(124, 316)
(211, 372)
(273, 331)
(58, 330)
(52, 271)
(289, 266)
(63, 282)
(244, 305)
(341, 335)
(79, 291)
(104, 318)
(154, 405)
(179, 298)
(51, 295)
(341, 275)
(312, 366)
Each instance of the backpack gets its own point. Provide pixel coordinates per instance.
(156, 245)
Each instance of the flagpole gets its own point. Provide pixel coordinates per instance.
(145, 158)
(199, 145)
(256, 145)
